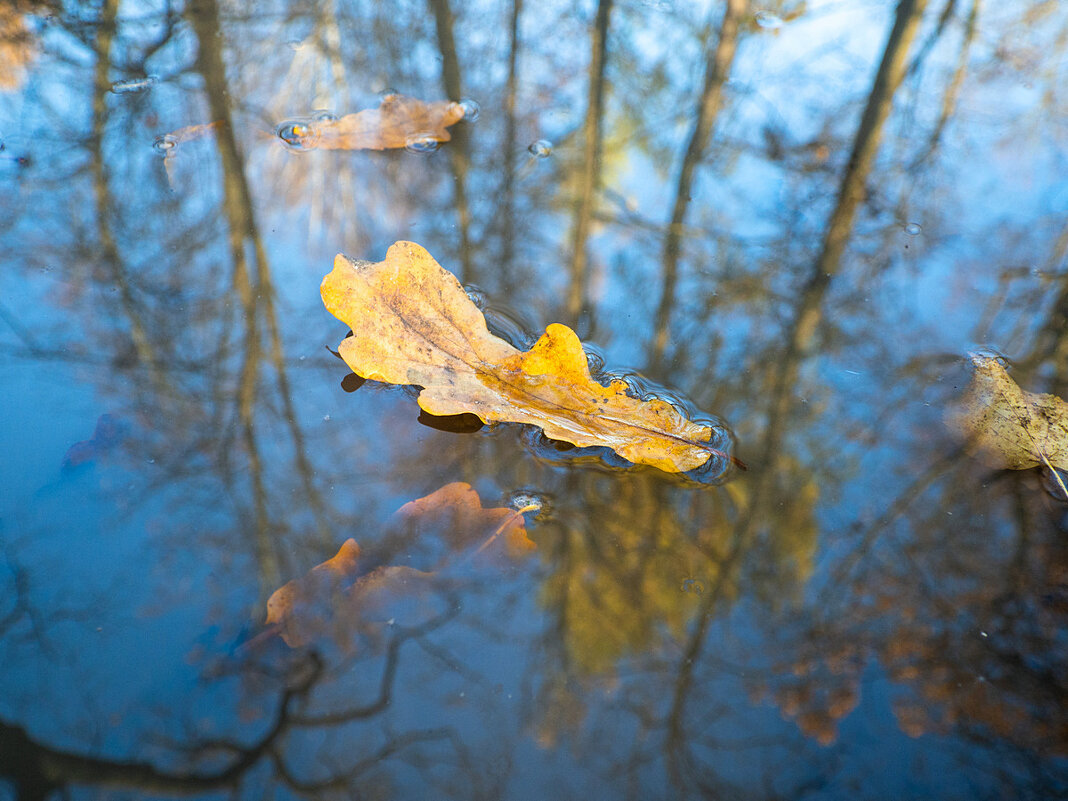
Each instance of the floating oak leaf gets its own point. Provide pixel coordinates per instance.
(1008, 427)
(397, 122)
(338, 597)
(414, 324)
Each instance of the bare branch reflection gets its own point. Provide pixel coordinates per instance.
(849, 201)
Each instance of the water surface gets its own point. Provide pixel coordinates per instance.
(799, 218)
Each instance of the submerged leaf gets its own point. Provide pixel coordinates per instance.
(395, 123)
(454, 517)
(334, 599)
(414, 324)
(1008, 427)
(310, 598)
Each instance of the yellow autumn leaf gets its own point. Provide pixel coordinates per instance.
(1008, 427)
(413, 324)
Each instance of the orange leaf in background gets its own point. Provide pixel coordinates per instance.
(413, 323)
(395, 123)
(334, 599)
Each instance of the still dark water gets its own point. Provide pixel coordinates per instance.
(798, 217)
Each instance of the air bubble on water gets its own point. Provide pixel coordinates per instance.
(297, 135)
(422, 143)
(324, 115)
(387, 94)
(165, 144)
(134, 85)
(912, 228)
(471, 109)
(541, 149)
(295, 44)
(767, 20)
